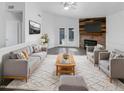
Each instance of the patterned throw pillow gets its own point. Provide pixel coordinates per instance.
(98, 47)
(40, 48)
(119, 56)
(36, 49)
(116, 55)
(25, 52)
(21, 56)
(13, 55)
(112, 55)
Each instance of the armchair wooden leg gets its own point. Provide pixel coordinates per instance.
(110, 80)
(94, 65)
(99, 68)
(26, 79)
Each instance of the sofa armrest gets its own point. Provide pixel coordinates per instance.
(90, 48)
(15, 67)
(117, 68)
(96, 55)
(104, 55)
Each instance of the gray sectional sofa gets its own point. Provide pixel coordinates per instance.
(16, 68)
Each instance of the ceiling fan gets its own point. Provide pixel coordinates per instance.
(69, 5)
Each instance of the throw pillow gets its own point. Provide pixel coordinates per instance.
(13, 55)
(21, 56)
(98, 47)
(116, 55)
(36, 49)
(112, 55)
(25, 52)
(40, 48)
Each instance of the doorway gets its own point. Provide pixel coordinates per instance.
(66, 36)
(13, 29)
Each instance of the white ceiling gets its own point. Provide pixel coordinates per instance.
(83, 9)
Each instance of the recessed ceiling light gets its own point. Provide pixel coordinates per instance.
(69, 5)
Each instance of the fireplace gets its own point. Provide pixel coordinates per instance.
(89, 43)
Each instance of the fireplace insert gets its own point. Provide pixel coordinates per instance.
(89, 43)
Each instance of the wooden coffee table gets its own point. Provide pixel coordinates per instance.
(66, 68)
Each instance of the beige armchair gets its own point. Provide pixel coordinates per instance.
(114, 68)
(92, 54)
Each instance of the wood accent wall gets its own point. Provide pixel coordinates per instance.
(100, 37)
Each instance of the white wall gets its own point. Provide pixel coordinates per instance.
(67, 22)
(2, 24)
(115, 31)
(51, 24)
(31, 13)
(13, 19)
(5, 15)
(49, 27)
(2, 28)
(18, 7)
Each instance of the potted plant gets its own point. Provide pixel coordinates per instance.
(44, 39)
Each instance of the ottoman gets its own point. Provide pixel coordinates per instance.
(72, 83)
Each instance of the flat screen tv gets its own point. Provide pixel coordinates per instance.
(93, 27)
(34, 27)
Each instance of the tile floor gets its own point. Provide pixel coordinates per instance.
(44, 77)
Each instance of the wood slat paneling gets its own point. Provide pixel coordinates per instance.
(99, 36)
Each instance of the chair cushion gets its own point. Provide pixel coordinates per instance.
(72, 83)
(104, 63)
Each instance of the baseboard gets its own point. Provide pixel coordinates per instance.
(68, 46)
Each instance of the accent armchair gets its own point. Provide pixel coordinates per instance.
(92, 54)
(114, 68)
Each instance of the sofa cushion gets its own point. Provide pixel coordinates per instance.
(104, 63)
(32, 61)
(39, 54)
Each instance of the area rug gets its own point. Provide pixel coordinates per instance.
(44, 78)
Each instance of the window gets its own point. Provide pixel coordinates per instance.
(71, 34)
(61, 34)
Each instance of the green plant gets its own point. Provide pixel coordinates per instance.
(44, 39)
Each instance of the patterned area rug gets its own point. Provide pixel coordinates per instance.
(44, 77)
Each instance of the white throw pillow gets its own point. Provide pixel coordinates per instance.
(98, 47)
(36, 49)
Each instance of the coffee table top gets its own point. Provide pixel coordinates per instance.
(70, 60)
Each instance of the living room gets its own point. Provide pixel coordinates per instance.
(38, 38)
